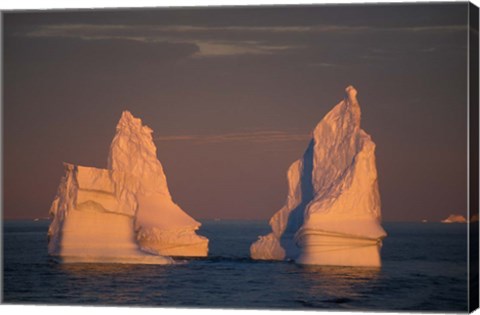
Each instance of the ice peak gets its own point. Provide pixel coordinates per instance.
(126, 114)
(346, 116)
(127, 118)
(351, 93)
(133, 151)
(129, 122)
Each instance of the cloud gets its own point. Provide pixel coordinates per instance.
(92, 31)
(213, 47)
(252, 137)
(223, 48)
(323, 64)
(439, 28)
(218, 41)
(103, 29)
(428, 50)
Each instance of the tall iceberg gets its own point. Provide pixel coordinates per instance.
(332, 213)
(124, 213)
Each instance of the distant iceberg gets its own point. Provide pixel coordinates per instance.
(124, 213)
(332, 213)
(455, 218)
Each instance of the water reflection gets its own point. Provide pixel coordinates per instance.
(114, 284)
(92, 269)
(337, 285)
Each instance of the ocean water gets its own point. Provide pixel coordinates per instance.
(424, 268)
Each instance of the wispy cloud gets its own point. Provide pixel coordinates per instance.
(428, 50)
(213, 47)
(323, 64)
(253, 137)
(215, 41)
(101, 30)
(225, 48)
(438, 28)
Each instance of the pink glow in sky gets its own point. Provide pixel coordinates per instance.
(232, 95)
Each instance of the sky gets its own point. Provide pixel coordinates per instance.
(232, 95)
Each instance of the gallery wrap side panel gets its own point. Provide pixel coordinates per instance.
(473, 149)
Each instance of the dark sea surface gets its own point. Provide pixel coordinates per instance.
(424, 268)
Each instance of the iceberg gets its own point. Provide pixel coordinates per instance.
(455, 218)
(123, 214)
(332, 213)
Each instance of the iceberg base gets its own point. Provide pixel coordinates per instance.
(267, 248)
(140, 259)
(183, 242)
(323, 248)
(93, 236)
(199, 249)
